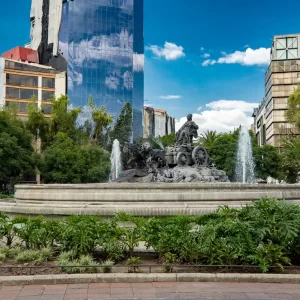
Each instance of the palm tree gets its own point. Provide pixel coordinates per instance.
(207, 138)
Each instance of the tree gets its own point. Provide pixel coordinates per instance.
(63, 119)
(66, 162)
(123, 128)
(168, 139)
(291, 158)
(37, 124)
(223, 151)
(101, 121)
(267, 162)
(207, 138)
(16, 152)
(292, 114)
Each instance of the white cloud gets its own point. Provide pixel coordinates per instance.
(168, 97)
(209, 62)
(170, 51)
(202, 48)
(199, 108)
(206, 55)
(243, 106)
(249, 57)
(222, 116)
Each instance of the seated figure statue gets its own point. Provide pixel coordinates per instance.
(187, 132)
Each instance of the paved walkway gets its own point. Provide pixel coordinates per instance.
(161, 290)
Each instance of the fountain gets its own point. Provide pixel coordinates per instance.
(116, 161)
(244, 168)
(180, 179)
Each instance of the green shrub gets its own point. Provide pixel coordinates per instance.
(267, 255)
(107, 266)
(14, 251)
(133, 262)
(28, 256)
(73, 266)
(8, 228)
(2, 257)
(46, 254)
(39, 233)
(79, 234)
(4, 250)
(34, 256)
(3, 196)
(87, 260)
(113, 250)
(169, 258)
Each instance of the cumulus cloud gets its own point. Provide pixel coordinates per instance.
(202, 48)
(168, 97)
(249, 57)
(170, 51)
(199, 108)
(243, 106)
(209, 62)
(222, 116)
(206, 55)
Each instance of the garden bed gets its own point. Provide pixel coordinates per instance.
(264, 237)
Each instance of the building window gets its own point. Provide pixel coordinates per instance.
(47, 96)
(48, 83)
(15, 93)
(287, 48)
(47, 109)
(21, 107)
(21, 80)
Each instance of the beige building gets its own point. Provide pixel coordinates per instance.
(281, 79)
(157, 122)
(21, 81)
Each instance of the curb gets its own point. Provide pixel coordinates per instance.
(142, 278)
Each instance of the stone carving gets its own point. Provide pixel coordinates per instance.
(181, 162)
(187, 132)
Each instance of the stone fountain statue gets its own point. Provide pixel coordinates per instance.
(181, 162)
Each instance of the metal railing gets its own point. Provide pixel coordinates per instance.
(171, 267)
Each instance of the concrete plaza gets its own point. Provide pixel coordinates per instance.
(155, 290)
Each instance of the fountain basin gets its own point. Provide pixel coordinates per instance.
(154, 199)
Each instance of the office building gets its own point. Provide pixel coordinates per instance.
(282, 77)
(157, 122)
(100, 43)
(21, 81)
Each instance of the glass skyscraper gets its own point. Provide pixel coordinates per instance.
(103, 44)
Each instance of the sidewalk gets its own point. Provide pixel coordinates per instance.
(161, 290)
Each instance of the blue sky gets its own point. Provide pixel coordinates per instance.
(178, 34)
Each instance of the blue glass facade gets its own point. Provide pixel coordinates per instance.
(103, 43)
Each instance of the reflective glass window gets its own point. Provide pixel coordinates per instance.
(48, 82)
(22, 80)
(15, 93)
(21, 107)
(47, 95)
(103, 43)
(47, 109)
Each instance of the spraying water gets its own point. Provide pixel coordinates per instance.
(116, 161)
(244, 168)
